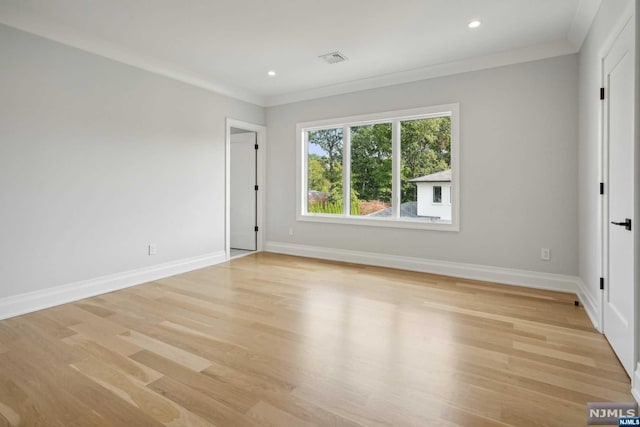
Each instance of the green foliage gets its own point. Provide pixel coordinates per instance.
(330, 141)
(371, 161)
(426, 149)
(318, 180)
(332, 207)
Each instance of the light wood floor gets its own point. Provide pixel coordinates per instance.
(276, 340)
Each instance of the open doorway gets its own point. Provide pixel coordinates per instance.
(245, 191)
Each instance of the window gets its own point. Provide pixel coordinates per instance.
(371, 169)
(386, 169)
(437, 194)
(324, 173)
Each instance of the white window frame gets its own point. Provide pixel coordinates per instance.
(393, 117)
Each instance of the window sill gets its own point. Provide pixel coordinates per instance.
(416, 224)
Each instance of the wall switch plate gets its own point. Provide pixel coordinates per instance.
(545, 254)
(290, 231)
(153, 249)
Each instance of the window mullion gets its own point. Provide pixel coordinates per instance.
(304, 173)
(346, 170)
(396, 166)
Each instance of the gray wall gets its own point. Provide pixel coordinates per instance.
(518, 168)
(99, 159)
(589, 148)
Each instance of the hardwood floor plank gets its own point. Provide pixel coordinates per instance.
(267, 415)
(310, 411)
(44, 392)
(110, 407)
(184, 358)
(230, 395)
(134, 392)
(10, 417)
(111, 341)
(275, 340)
(201, 404)
(124, 364)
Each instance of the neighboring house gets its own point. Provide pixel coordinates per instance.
(434, 199)
(434, 195)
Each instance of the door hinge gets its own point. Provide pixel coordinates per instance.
(255, 187)
(256, 228)
(255, 146)
(602, 188)
(601, 93)
(602, 283)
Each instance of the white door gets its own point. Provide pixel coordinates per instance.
(242, 191)
(619, 295)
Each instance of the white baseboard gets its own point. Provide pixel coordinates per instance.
(589, 303)
(508, 276)
(635, 384)
(33, 301)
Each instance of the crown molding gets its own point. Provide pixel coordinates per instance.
(581, 24)
(80, 40)
(16, 18)
(532, 53)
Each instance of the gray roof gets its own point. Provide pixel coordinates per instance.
(407, 209)
(444, 176)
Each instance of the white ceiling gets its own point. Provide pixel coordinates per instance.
(229, 45)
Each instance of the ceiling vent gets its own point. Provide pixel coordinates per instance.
(333, 57)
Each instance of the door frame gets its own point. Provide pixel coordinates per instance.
(635, 380)
(625, 19)
(261, 140)
(619, 26)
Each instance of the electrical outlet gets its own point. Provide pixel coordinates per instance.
(153, 249)
(290, 231)
(545, 254)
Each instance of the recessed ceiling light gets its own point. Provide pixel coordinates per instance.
(474, 24)
(271, 73)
